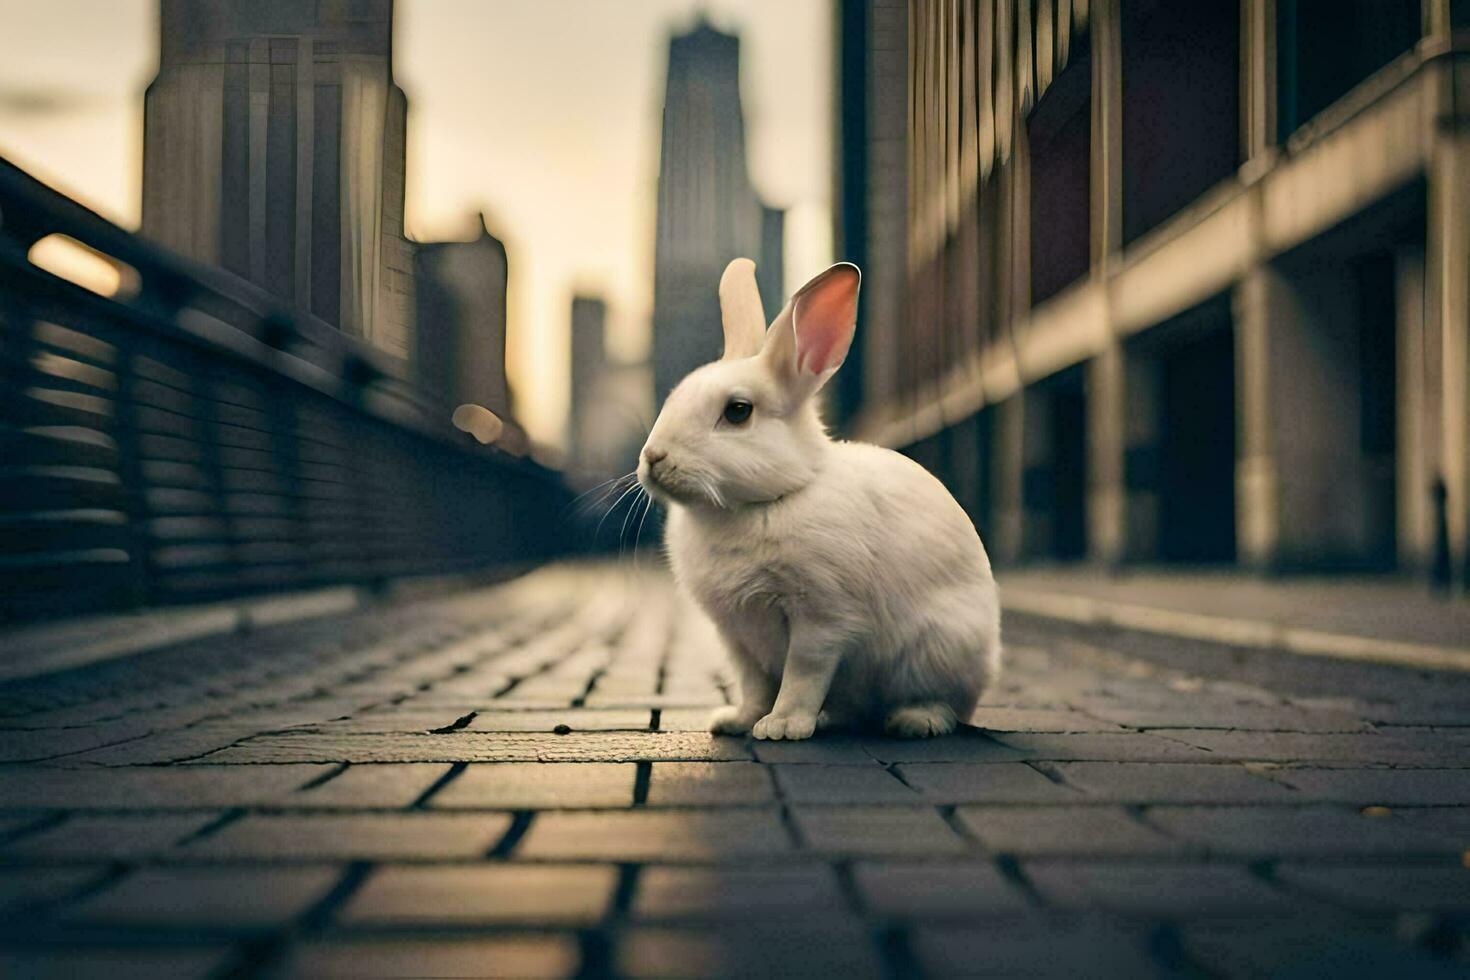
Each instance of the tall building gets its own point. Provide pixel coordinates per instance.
(589, 358)
(708, 213)
(459, 350)
(1187, 281)
(274, 147)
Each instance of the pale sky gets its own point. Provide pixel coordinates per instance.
(542, 113)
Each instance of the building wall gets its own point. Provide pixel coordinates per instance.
(1322, 249)
(274, 142)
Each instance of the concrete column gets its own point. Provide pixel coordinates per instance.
(1258, 513)
(1417, 387)
(1038, 473)
(1447, 286)
(966, 465)
(1257, 80)
(1140, 413)
(1309, 493)
(1107, 134)
(1007, 473)
(1107, 491)
(1108, 529)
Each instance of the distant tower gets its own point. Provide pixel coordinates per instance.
(274, 146)
(708, 213)
(589, 359)
(459, 354)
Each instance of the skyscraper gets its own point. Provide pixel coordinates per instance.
(708, 213)
(274, 146)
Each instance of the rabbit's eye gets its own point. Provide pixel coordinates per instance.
(737, 411)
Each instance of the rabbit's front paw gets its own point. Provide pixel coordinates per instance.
(729, 720)
(777, 727)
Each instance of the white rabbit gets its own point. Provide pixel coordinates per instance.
(848, 584)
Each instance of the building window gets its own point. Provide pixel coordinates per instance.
(1325, 47)
(1181, 105)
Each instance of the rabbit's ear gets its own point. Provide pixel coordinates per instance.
(810, 339)
(741, 311)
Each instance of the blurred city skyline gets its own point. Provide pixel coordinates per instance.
(566, 167)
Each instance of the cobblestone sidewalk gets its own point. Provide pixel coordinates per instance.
(515, 782)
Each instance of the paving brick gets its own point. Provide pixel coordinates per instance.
(488, 894)
(860, 859)
(114, 962)
(794, 950)
(709, 784)
(724, 894)
(943, 890)
(684, 719)
(35, 746)
(384, 723)
(1054, 830)
(842, 784)
(1149, 782)
(1317, 747)
(993, 719)
(1263, 832)
(1037, 947)
(166, 747)
(575, 719)
(218, 898)
(1417, 712)
(965, 745)
(657, 835)
(1444, 822)
(1192, 713)
(880, 830)
(386, 786)
(1121, 747)
(1439, 888)
(1307, 947)
(1410, 787)
(15, 823)
(358, 836)
(153, 788)
(709, 699)
(540, 786)
(24, 886)
(487, 747)
(91, 837)
(1155, 889)
(509, 956)
(960, 782)
(832, 750)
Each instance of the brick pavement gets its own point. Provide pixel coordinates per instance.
(515, 782)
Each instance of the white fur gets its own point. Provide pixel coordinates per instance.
(848, 584)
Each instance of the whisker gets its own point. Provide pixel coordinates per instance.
(592, 490)
(623, 533)
(607, 488)
(638, 536)
(614, 507)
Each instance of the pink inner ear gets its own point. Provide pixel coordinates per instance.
(825, 317)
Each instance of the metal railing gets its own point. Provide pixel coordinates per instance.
(192, 438)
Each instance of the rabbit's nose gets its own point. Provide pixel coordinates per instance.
(653, 456)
